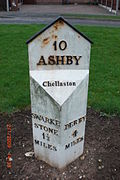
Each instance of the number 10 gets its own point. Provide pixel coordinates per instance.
(62, 45)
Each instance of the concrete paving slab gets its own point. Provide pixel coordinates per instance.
(32, 10)
(60, 9)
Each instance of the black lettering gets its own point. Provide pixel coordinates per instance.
(41, 118)
(43, 134)
(74, 84)
(62, 45)
(49, 84)
(46, 120)
(57, 123)
(44, 145)
(64, 84)
(73, 143)
(53, 84)
(69, 60)
(75, 122)
(55, 45)
(55, 132)
(45, 83)
(51, 60)
(54, 148)
(41, 143)
(45, 128)
(77, 59)
(60, 83)
(51, 121)
(80, 120)
(60, 61)
(41, 61)
(67, 146)
(35, 125)
(36, 141)
(51, 130)
(49, 146)
(79, 139)
(67, 126)
(40, 126)
(34, 115)
(84, 118)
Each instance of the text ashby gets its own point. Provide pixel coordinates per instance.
(59, 60)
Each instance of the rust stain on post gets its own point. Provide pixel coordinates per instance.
(54, 37)
(46, 40)
(58, 24)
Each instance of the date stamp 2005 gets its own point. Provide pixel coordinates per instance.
(9, 144)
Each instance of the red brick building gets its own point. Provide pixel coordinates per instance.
(111, 5)
(56, 1)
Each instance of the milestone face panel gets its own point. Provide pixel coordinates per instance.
(59, 47)
(59, 59)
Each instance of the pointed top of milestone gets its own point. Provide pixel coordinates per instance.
(59, 22)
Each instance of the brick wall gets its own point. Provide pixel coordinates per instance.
(2, 5)
(49, 1)
(57, 1)
(29, 1)
(103, 2)
(79, 1)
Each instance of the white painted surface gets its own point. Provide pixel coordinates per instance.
(59, 111)
(59, 93)
(72, 108)
(7, 3)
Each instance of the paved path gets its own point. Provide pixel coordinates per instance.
(36, 14)
(61, 9)
(48, 20)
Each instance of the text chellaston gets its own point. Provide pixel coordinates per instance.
(58, 83)
(59, 60)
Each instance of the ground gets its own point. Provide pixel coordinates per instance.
(100, 161)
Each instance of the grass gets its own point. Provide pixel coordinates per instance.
(104, 86)
(88, 16)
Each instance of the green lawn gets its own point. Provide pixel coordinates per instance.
(104, 87)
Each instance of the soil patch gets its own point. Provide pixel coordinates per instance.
(100, 161)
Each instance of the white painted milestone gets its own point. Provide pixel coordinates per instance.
(59, 58)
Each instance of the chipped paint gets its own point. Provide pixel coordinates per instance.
(58, 24)
(45, 41)
(54, 36)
